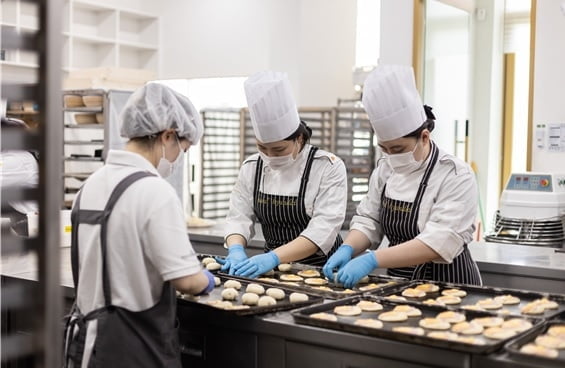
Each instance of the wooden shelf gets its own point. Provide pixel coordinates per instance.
(21, 112)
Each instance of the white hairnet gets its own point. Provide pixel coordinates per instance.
(154, 108)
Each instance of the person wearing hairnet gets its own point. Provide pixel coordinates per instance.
(297, 192)
(421, 198)
(130, 250)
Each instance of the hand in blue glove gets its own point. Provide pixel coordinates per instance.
(338, 260)
(356, 269)
(236, 254)
(211, 283)
(257, 265)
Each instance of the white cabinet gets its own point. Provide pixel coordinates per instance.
(94, 35)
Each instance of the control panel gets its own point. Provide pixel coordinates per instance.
(533, 182)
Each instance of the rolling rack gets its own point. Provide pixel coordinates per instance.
(43, 302)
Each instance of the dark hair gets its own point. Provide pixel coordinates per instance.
(147, 142)
(303, 130)
(429, 124)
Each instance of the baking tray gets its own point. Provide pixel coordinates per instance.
(476, 293)
(513, 347)
(215, 294)
(338, 291)
(347, 324)
(202, 256)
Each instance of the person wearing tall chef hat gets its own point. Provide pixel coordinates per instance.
(130, 250)
(421, 198)
(296, 191)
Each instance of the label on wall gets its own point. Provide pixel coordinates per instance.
(556, 137)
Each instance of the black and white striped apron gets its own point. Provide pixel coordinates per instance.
(282, 217)
(400, 224)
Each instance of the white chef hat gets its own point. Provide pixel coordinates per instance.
(273, 111)
(154, 108)
(392, 101)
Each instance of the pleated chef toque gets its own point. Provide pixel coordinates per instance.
(273, 111)
(392, 101)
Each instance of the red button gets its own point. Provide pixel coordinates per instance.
(544, 182)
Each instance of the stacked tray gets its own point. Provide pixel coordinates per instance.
(536, 336)
(303, 277)
(465, 342)
(234, 304)
(515, 300)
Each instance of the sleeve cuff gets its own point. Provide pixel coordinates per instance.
(443, 241)
(185, 271)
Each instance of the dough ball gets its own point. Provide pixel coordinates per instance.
(213, 266)
(266, 300)
(298, 297)
(285, 267)
(276, 293)
(249, 299)
(217, 281)
(255, 288)
(347, 310)
(232, 284)
(369, 322)
(325, 316)
(229, 294)
(534, 349)
(207, 260)
(410, 330)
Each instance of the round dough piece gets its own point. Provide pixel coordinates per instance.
(467, 328)
(347, 310)
(489, 304)
(533, 308)
(266, 301)
(348, 291)
(371, 286)
(498, 333)
(428, 288)
(448, 299)
(517, 324)
(232, 284)
(489, 321)
(369, 306)
(369, 322)
(325, 316)
(470, 340)
(298, 297)
(507, 299)
(364, 280)
(534, 349)
(255, 288)
(393, 316)
(269, 273)
(434, 324)
(249, 299)
(413, 293)
(276, 293)
(285, 267)
(268, 279)
(213, 266)
(217, 281)
(316, 281)
(546, 303)
(409, 310)
(219, 303)
(473, 307)
(291, 277)
(207, 260)
(432, 302)
(410, 330)
(395, 297)
(557, 331)
(550, 342)
(237, 307)
(308, 273)
(229, 294)
(324, 288)
(454, 292)
(451, 317)
(443, 335)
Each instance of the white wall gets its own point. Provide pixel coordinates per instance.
(312, 40)
(549, 80)
(396, 32)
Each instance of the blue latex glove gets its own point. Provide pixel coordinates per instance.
(211, 283)
(257, 265)
(356, 269)
(342, 255)
(236, 254)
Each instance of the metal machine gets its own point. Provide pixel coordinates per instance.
(532, 211)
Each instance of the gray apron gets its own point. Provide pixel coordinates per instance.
(123, 339)
(399, 220)
(283, 218)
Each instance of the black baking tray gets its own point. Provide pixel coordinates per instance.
(346, 324)
(338, 291)
(476, 293)
(513, 347)
(215, 294)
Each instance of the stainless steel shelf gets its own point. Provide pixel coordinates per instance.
(92, 110)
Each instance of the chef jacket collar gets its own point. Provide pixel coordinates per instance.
(127, 158)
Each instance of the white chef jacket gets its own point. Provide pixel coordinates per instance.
(147, 237)
(446, 220)
(19, 169)
(325, 198)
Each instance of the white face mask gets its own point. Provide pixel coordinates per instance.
(278, 162)
(404, 163)
(165, 168)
